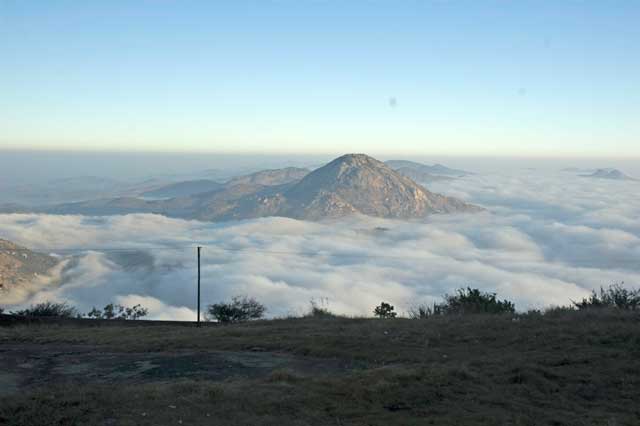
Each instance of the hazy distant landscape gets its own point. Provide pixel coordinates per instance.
(546, 237)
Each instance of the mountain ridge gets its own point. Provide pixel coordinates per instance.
(352, 183)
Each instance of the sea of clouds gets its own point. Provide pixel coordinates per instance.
(546, 239)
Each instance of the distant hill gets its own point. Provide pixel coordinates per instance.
(424, 172)
(270, 177)
(103, 207)
(20, 266)
(577, 170)
(612, 174)
(87, 182)
(422, 176)
(353, 183)
(182, 189)
(193, 187)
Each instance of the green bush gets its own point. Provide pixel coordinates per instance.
(241, 308)
(118, 312)
(615, 296)
(465, 301)
(385, 310)
(474, 301)
(49, 309)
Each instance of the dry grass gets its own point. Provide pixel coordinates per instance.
(570, 368)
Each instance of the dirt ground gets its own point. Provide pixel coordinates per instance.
(27, 367)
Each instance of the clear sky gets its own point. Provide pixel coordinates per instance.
(508, 77)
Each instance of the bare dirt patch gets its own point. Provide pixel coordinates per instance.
(32, 366)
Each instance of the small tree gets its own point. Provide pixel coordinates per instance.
(241, 308)
(49, 309)
(385, 310)
(615, 296)
(112, 311)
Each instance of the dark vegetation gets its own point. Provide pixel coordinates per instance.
(319, 309)
(465, 301)
(241, 308)
(615, 296)
(114, 311)
(63, 310)
(385, 310)
(49, 309)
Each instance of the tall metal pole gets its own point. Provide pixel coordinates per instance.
(199, 248)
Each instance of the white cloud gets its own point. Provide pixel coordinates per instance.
(547, 239)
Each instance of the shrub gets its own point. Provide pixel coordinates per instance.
(119, 312)
(465, 301)
(385, 310)
(320, 309)
(241, 308)
(49, 309)
(424, 311)
(1, 311)
(615, 296)
(474, 301)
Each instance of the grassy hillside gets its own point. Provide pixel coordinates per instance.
(569, 368)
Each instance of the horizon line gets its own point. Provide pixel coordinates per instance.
(313, 153)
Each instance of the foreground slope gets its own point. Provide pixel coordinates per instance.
(566, 368)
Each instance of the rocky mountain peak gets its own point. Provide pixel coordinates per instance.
(359, 183)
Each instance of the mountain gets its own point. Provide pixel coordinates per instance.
(612, 174)
(353, 183)
(270, 177)
(181, 189)
(419, 169)
(20, 266)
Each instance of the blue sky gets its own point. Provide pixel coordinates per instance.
(310, 76)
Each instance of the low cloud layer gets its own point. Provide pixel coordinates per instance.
(546, 239)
